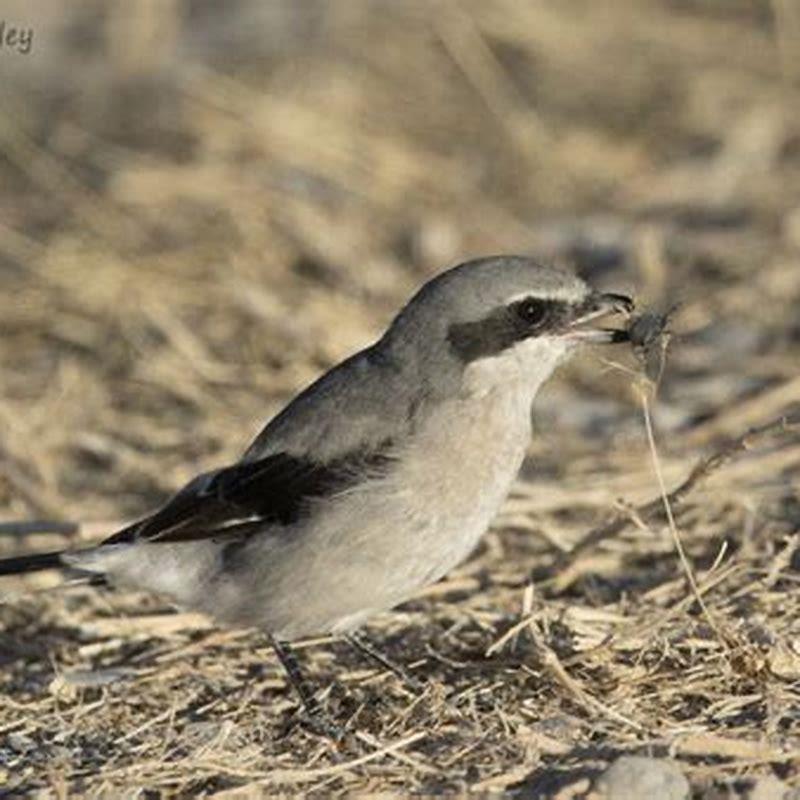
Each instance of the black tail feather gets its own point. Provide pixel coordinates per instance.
(31, 563)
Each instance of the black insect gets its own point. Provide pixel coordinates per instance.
(649, 334)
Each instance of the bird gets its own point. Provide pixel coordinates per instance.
(378, 478)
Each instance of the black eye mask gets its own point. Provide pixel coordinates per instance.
(507, 325)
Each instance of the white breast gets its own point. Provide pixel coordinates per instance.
(448, 484)
(461, 469)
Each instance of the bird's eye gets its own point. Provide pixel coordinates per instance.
(532, 312)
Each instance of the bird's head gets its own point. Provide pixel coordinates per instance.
(501, 320)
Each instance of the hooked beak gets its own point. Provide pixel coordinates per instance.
(598, 306)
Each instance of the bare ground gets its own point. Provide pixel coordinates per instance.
(201, 211)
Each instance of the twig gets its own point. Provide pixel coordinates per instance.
(289, 776)
(687, 567)
(397, 754)
(655, 507)
(554, 666)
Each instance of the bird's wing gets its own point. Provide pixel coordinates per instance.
(238, 500)
(342, 429)
(357, 406)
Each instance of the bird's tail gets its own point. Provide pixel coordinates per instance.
(35, 562)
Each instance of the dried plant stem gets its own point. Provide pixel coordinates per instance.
(565, 565)
(687, 567)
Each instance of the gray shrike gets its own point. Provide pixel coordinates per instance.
(378, 478)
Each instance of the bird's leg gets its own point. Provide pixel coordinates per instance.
(360, 642)
(317, 718)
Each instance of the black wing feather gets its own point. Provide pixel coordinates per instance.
(240, 499)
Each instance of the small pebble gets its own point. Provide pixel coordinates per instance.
(770, 788)
(20, 743)
(642, 778)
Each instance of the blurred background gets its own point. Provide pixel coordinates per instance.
(204, 205)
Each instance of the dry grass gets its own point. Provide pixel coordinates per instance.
(233, 203)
